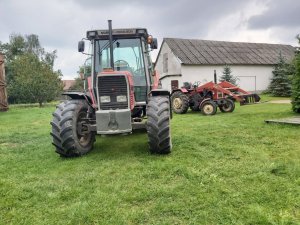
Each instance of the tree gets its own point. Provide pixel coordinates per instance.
(296, 83)
(280, 85)
(25, 53)
(227, 76)
(34, 80)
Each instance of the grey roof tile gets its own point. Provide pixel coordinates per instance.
(191, 51)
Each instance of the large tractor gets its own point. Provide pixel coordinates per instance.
(122, 94)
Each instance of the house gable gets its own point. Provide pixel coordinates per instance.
(167, 64)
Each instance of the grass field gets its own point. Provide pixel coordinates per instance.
(225, 169)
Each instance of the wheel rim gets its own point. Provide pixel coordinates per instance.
(85, 138)
(227, 107)
(177, 103)
(208, 109)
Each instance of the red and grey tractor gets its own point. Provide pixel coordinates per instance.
(122, 95)
(209, 96)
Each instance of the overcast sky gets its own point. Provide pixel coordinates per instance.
(60, 24)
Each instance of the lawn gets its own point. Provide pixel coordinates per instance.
(225, 169)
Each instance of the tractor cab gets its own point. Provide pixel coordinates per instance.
(129, 52)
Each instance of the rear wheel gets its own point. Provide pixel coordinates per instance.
(229, 106)
(180, 102)
(208, 108)
(158, 125)
(68, 139)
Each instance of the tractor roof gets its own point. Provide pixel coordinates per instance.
(124, 32)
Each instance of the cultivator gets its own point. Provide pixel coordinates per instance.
(209, 96)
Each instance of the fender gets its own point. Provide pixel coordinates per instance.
(79, 95)
(183, 90)
(157, 92)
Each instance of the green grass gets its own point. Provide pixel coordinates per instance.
(225, 169)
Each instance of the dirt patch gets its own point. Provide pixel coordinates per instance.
(284, 101)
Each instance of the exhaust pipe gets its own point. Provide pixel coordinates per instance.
(111, 45)
(215, 76)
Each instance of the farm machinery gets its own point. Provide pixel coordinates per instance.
(122, 95)
(210, 96)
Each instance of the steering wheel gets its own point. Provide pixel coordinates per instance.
(122, 62)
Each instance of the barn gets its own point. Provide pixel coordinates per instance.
(190, 60)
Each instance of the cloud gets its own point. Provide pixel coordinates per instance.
(60, 24)
(279, 14)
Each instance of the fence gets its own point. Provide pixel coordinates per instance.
(3, 93)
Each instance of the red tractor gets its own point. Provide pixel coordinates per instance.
(208, 97)
(122, 94)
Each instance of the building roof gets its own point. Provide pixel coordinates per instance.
(198, 52)
(67, 84)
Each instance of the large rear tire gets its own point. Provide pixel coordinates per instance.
(66, 136)
(180, 102)
(158, 125)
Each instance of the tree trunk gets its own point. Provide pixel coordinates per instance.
(3, 94)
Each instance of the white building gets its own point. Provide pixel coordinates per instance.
(188, 60)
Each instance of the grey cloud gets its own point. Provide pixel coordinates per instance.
(279, 14)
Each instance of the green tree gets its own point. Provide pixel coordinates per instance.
(19, 49)
(19, 45)
(280, 85)
(34, 80)
(296, 83)
(227, 76)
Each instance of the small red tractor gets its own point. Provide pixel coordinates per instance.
(122, 95)
(209, 96)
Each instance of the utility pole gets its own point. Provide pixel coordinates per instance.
(3, 93)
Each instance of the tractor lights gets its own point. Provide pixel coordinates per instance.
(121, 98)
(91, 34)
(105, 99)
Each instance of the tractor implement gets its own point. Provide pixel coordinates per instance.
(210, 96)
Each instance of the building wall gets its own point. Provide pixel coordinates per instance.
(174, 64)
(251, 77)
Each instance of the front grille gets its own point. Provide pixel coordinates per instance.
(112, 86)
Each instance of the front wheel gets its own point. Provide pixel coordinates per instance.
(229, 106)
(208, 108)
(68, 138)
(158, 125)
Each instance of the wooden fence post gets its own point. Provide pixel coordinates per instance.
(3, 93)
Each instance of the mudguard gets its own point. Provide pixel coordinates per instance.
(157, 92)
(79, 95)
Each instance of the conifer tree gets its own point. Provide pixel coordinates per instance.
(296, 83)
(280, 85)
(227, 76)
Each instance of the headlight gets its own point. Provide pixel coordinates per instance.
(105, 99)
(121, 98)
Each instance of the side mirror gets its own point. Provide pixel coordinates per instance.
(154, 44)
(81, 46)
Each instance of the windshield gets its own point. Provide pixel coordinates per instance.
(128, 56)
